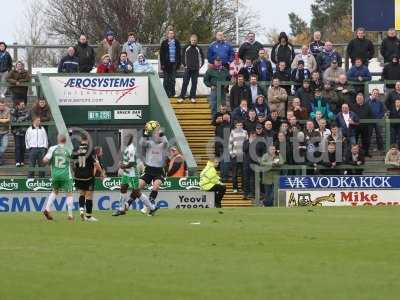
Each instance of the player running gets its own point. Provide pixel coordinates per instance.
(130, 180)
(87, 165)
(59, 157)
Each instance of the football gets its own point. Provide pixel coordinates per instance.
(151, 126)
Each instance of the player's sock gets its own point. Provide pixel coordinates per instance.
(153, 196)
(146, 202)
(70, 205)
(122, 201)
(89, 208)
(50, 201)
(81, 201)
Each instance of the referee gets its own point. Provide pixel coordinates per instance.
(87, 165)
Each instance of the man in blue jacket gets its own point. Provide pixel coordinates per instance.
(69, 63)
(220, 48)
(378, 112)
(359, 73)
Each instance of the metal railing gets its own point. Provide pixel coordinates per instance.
(151, 51)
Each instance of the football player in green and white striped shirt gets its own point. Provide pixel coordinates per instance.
(59, 157)
(130, 180)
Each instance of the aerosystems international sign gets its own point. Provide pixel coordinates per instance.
(21, 195)
(340, 190)
(102, 99)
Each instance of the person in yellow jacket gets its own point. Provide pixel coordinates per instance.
(211, 182)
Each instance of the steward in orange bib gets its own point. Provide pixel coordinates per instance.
(176, 165)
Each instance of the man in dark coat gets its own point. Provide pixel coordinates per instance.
(85, 54)
(250, 48)
(283, 50)
(170, 61)
(360, 47)
(390, 46)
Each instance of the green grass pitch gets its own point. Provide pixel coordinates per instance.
(254, 253)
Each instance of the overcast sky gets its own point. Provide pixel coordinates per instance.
(273, 14)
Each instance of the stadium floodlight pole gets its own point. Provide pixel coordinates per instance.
(237, 22)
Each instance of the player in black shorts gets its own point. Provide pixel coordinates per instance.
(87, 165)
(154, 152)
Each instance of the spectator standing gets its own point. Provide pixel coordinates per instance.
(251, 122)
(309, 60)
(170, 61)
(248, 69)
(19, 114)
(355, 158)
(239, 91)
(277, 98)
(142, 65)
(331, 161)
(378, 113)
(255, 90)
(36, 143)
(18, 80)
(221, 49)
(344, 92)
(5, 119)
(306, 95)
(250, 48)
(282, 50)
(124, 64)
(241, 113)
(299, 111)
(276, 120)
(69, 63)
(393, 96)
(328, 54)
(235, 66)
(192, 60)
(392, 160)
(321, 105)
(395, 116)
(5, 67)
(348, 122)
(299, 74)
(236, 139)
(261, 109)
(41, 110)
(390, 46)
(360, 74)
(132, 47)
(391, 71)
(214, 74)
(109, 45)
(222, 123)
(283, 74)
(85, 54)
(210, 181)
(316, 45)
(263, 67)
(316, 82)
(106, 65)
(249, 153)
(332, 74)
(271, 161)
(360, 47)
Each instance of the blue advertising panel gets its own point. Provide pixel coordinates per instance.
(338, 182)
(374, 15)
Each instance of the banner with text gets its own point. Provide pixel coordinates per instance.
(104, 200)
(112, 99)
(107, 184)
(342, 198)
(338, 182)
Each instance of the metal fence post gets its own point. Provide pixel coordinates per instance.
(257, 187)
(15, 52)
(219, 94)
(387, 134)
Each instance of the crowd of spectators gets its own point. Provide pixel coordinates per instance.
(310, 109)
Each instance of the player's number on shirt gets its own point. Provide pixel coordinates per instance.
(60, 162)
